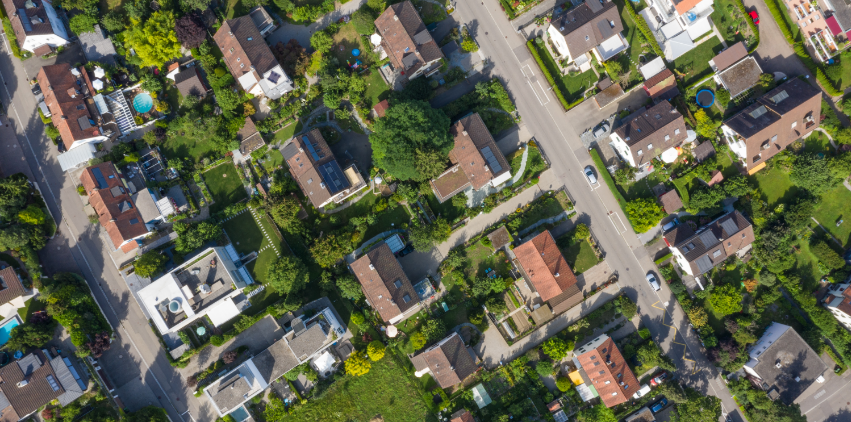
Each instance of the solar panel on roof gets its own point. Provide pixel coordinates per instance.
(101, 181)
(27, 26)
(708, 238)
(333, 177)
(703, 264)
(310, 147)
(729, 226)
(780, 97)
(493, 163)
(759, 111)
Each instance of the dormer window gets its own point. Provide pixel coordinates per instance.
(676, 132)
(639, 153)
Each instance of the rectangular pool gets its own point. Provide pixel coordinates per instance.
(240, 414)
(6, 330)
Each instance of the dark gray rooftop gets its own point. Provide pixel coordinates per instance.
(796, 358)
(231, 391)
(308, 341)
(97, 47)
(72, 389)
(275, 361)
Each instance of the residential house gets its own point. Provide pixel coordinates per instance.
(462, 415)
(116, 212)
(594, 26)
(249, 138)
(547, 273)
(307, 340)
(670, 201)
(775, 120)
(648, 133)
(33, 382)
(80, 114)
(662, 86)
(319, 175)
(385, 284)
(677, 24)
(448, 361)
(784, 363)
(250, 60)
(262, 20)
(735, 70)
(97, 47)
(696, 253)
(36, 25)
(475, 160)
(642, 415)
(838, 302)
(209, 284)
(13, 295)
(188, 82)
(407, 41)
(837, 16)
(601, 366)
(814, 27)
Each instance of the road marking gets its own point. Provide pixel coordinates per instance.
(623, 226)
(77, 244)
(820, 393)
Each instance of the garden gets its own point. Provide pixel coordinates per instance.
(225, 185)
(694, 65)
(578, 250)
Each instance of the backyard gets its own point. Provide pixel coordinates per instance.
(579, 255)
(184, 147)
(248, 237)
(729, 21)
(695, 63)
(481, 258)
(572, 87)
(376, 89)
(225, 186)
(430, 12)
(388, 219)
(347, 39)
(287, 133)
(635, 39)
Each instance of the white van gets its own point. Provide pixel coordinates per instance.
(641, 392)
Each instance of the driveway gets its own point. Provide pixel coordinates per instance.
(774, 54)
(302, 33)
(827, 401)
(73, 54)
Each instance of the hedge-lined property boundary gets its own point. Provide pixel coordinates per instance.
(604, 174)
(533, 48)
(642, 26)
(752, 25)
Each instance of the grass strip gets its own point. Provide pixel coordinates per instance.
(536, 53)
(642, 26)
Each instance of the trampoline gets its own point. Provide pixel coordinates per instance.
(705, 98)
(356, 52)
(201, 331)
(143, 102)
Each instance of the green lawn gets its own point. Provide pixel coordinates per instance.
(376, 89)
(446, 209)
(386, 220)
(818, 143)
(641, 188)
(555, 71)
(287, 133)
(187, 148)
(31, 306)
(225, 186)
(347, 38)
(244, 233)
(386, 391)
(481, 257)
(580, 256)
(575, 86)
(834, 206)
(806, 265)
(729, 20)
(430, 12)
(635, 50)
(695, 63)
(775, 185)
(248, 237)
(9, 260)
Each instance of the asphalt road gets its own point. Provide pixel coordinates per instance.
(558, 134)
(135, 363)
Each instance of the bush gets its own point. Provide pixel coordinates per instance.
(644, 333)
(645, 30)
(217, 340)
(564, 384)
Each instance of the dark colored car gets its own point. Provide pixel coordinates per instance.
(754, 16)
(658, 379)
(60, 145)
(408, 249)
(36, 89)
(659, 406)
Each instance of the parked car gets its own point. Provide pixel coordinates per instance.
(670, 225)
(654, 283)
(601, 129)
(659, 379)
(659, 406)
(754, 16)
(641, 392)
(36, 89)
(589, 173)
(60, 146)
(408, 249)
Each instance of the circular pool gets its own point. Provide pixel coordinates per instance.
(705, 98)
(143, 102)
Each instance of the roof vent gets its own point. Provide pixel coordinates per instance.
(250, 39)
(371, 267)
(22, 383)
(778, 365)
(561, 29)
(464, 132)
(230, 33)
(557, 274)
(395, 18)
(797, 379)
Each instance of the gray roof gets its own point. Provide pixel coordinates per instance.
(231, 390)
(97, 47)
(705, 249)
(749, 122)
(275, 361)
(29, 364)
(741, 76)
(4, 402)
(797, 359)
(72, 389)
(308, 341)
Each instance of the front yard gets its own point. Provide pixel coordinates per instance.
(225, 186)
(579, 255)
(695, 63)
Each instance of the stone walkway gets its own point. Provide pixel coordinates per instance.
(269, 243)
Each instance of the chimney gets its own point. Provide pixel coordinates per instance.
(372, 267)
(464, 132)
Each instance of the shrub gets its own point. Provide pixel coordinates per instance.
(645, 30)
(375, 350)
(229, 357)
(544, 369)
(217, 340)
(564, 384)
(644, 333)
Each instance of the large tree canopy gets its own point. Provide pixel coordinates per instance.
(154, 40)
(287, 274)
(409, 127)
(190, 30)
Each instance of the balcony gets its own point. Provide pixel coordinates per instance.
(823, 45)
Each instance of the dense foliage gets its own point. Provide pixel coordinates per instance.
(69, 301)
(154, 40)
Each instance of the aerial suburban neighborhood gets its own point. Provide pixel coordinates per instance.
(425, 210)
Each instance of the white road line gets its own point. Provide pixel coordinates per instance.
(837, 390)
(77, 244)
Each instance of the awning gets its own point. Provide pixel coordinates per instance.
(670, 155)
(833, 25)
(324, 362)
(77, 156)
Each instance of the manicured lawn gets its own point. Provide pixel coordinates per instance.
(272, 160)
(248, 237)
(236, 8)
(580, 256)
(481, 257)
(729, 21)
(384, 391)
(818, 143)
(347, 39)
(376, 89)
(187, 148)
(635, 50)
(287, 133)
(386, 220)
(430, 12)
(575, 86)
(806, 265)
(834, 206)
(775, 185)
(31, 306)
(244, 233)
(641, 188)
(695, 63)
(225, 186)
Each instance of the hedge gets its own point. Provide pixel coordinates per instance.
(663, 259)
(777, 12)
(534, 49)
(642, 26)
(604, 174)
(506, 7)
(752, 25)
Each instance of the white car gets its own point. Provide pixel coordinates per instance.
(589, 173)
(641, 392)
(653, 282)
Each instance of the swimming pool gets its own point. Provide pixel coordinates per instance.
(6, 330)
(240, 414)
(143, 102)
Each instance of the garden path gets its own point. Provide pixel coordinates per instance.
(829, 138)
(475, 198)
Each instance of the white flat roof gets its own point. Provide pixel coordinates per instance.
(165, 288)
(672, 29)
(223, 311)
(652, 68)
(76, 156)
(697, 29)
(324, 362)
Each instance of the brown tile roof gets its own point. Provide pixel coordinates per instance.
(499, 237)
(731, 55)
(384, 283)
(112, 202)
(405, 38)
(381, 108)
(305, 169)
(189, 83)
(671, 201)
(663, 85)
(678, 234)
(614, 382)
(584, 28)
(58, 84)
(241, 43)
(10, 285)
(249, 138)
(845, 305)
(717, 177)
(569, 298)
(712, 244)
(42, 50)
(609, 95)
(472, 139)
(741, 76)
(36, 18)
(541, 260)
(449, 361)
(462, 415)
(650, 126)
(793, 103)
(703, 151)
(553, 406)
(37, 392)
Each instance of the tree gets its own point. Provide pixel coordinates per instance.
(284, 210)
(190, 30)
(226, 98)
(564, 384)
(418, 340)
(349, 287)
(32, 215)
(555, 348)
(826, 255)
(723, 97)
(287, 275)
(275, 409)
(136, 9)
(149, 264)
(357, 365)
(149, 414)
(332, 247)
(598, 413)
(626, 307)
(483, 286)
(700, 408)
(581, 232)
(726, 300)
(82, 23)
(433, 330)
(229, 357)
(409, 126)
(193, 236)
(51, 131)
(706, 127)
(321, 41)
(737, 186)
(27, 336)
(698, 317)
(424, 236)
(468, 44)
(417, 90)
(154, 39)
(809, 173)
(292, 56)
(649, 354)
(625, 175)
(99, 344)
(192, 5)
(364, 21)
(430, 164)
(544, 369)
(357, 319)
(644, 214)
(705, 198)
(375, 350)
(286, 5)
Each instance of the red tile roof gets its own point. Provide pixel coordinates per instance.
(11, 286)
(462, 415)
(608, 372)
(244, 49)
(58, 85)
(381, 108)
(115, 209)
(406, 39)
(541, 260)
(471, 137)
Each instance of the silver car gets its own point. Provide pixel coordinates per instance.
(590, 175)
(653, 282)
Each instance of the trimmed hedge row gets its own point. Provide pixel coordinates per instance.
(752, 25)
(604, 174)
(506, 7)
(534, 49)
(642, 26)
(777, 12)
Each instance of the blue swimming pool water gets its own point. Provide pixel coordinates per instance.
(143, 102)
(6, 330)
(240, 414)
